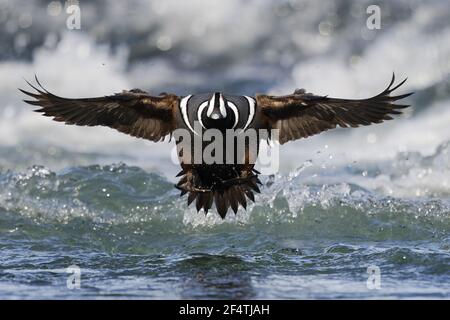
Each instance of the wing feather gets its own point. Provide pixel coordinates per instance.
(132, 112)
(302, 114)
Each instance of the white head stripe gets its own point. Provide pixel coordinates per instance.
(236, 113)
(211, 106)
(183, 106)
(223, 111)
(251, 111)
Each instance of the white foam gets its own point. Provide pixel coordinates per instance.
(259, 38)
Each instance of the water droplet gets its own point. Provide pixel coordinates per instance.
(372, 138)
(54, 8)
(164, 43)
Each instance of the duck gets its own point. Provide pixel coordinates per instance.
(218, 135)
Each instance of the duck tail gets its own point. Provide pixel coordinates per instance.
(226, 194)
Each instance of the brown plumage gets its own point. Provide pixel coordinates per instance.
(302, 114)
(142, 115)
(132, 112)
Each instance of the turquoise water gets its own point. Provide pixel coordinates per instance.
(132, 237)
(341, 202)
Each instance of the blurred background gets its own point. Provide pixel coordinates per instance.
(240, 47)
(343, 200)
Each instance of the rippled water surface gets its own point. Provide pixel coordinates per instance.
(342, 202)
(132, 236)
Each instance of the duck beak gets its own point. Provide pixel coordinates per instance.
(216, 115)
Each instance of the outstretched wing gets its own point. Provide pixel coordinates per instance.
(132, 112)
(302, 114)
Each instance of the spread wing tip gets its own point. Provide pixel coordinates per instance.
(40, 95)
(390, 88)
